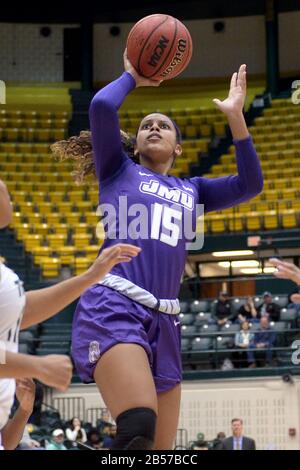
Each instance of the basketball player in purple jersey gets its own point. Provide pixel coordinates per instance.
(126, 335)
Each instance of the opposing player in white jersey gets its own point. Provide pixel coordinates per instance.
(20, 309)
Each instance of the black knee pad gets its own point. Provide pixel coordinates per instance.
(135, 429)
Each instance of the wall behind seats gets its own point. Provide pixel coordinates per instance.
(27, 56)
(268, 406)
(215, 54)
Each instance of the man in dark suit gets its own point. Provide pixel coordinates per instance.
(237, 441)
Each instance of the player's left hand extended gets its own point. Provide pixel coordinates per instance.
(235, 101)
(109, 257)
(25, 392)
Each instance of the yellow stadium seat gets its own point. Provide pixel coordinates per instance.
(45, 208)
(182, 164)
(81, 264)
(32, 240)
(91, 218)
(42, 135)
(253, 221)
(295, 204)
(220, 128)
(190, 132)
(22, 230)
(205, 130)
(40, 252)
(261, 206)
(56, 240)
(38, 197)
(41, 229)
(80, 228)
(11, 134)
(60, 229)
(289, 218)
(8, 147)
(60, 123)
(66, 254)
(270, 220)
(26, 207)
(191, 155)
(72, 218)
(196, 119)
(81, 241)
(34, 218)
(235, 222)
(58, 134)
(75, 196)
(242, 208)
(92, 250)
(57, 196)
(217, 223)
(53, 218)
(19, 196)
(50, 267)
(83, 206)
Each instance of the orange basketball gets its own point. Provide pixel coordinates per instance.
(159, 47)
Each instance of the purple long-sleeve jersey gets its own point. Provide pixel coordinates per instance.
(156, 226)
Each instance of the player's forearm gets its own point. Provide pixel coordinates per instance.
(5, 206)
(238, 126)
(18, 366)
(13, 431)
(44, 303)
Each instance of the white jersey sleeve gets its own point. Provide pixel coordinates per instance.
(12, 302)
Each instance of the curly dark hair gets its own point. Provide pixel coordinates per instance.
(79, 150)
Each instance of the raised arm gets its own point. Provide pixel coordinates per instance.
(228, 191)
(107, 147)
(108, 152)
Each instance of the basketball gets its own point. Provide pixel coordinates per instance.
(159, 47)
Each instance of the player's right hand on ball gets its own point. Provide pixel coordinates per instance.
(55, 371)
(109, 257)
(139, 79)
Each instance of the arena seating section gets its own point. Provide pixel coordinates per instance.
(205, 345)
(56, 220)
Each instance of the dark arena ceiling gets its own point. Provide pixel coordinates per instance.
(131, 10)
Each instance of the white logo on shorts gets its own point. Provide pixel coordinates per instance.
(94, 351)
(176, 322)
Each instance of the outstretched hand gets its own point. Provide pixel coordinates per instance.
(286, 270)
(235, 101)
(139, 79)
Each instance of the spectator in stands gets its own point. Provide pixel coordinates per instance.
(199, 445)
(223, 310)
(94, 439)
(75, 432)
(237, 441)
(26, 443)
(247, 311)
(217, 442)
(243, 339)
(264, 339)
(269, 308)
(57, 442)
(104, 421)
(294, 301)
(109, 438)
